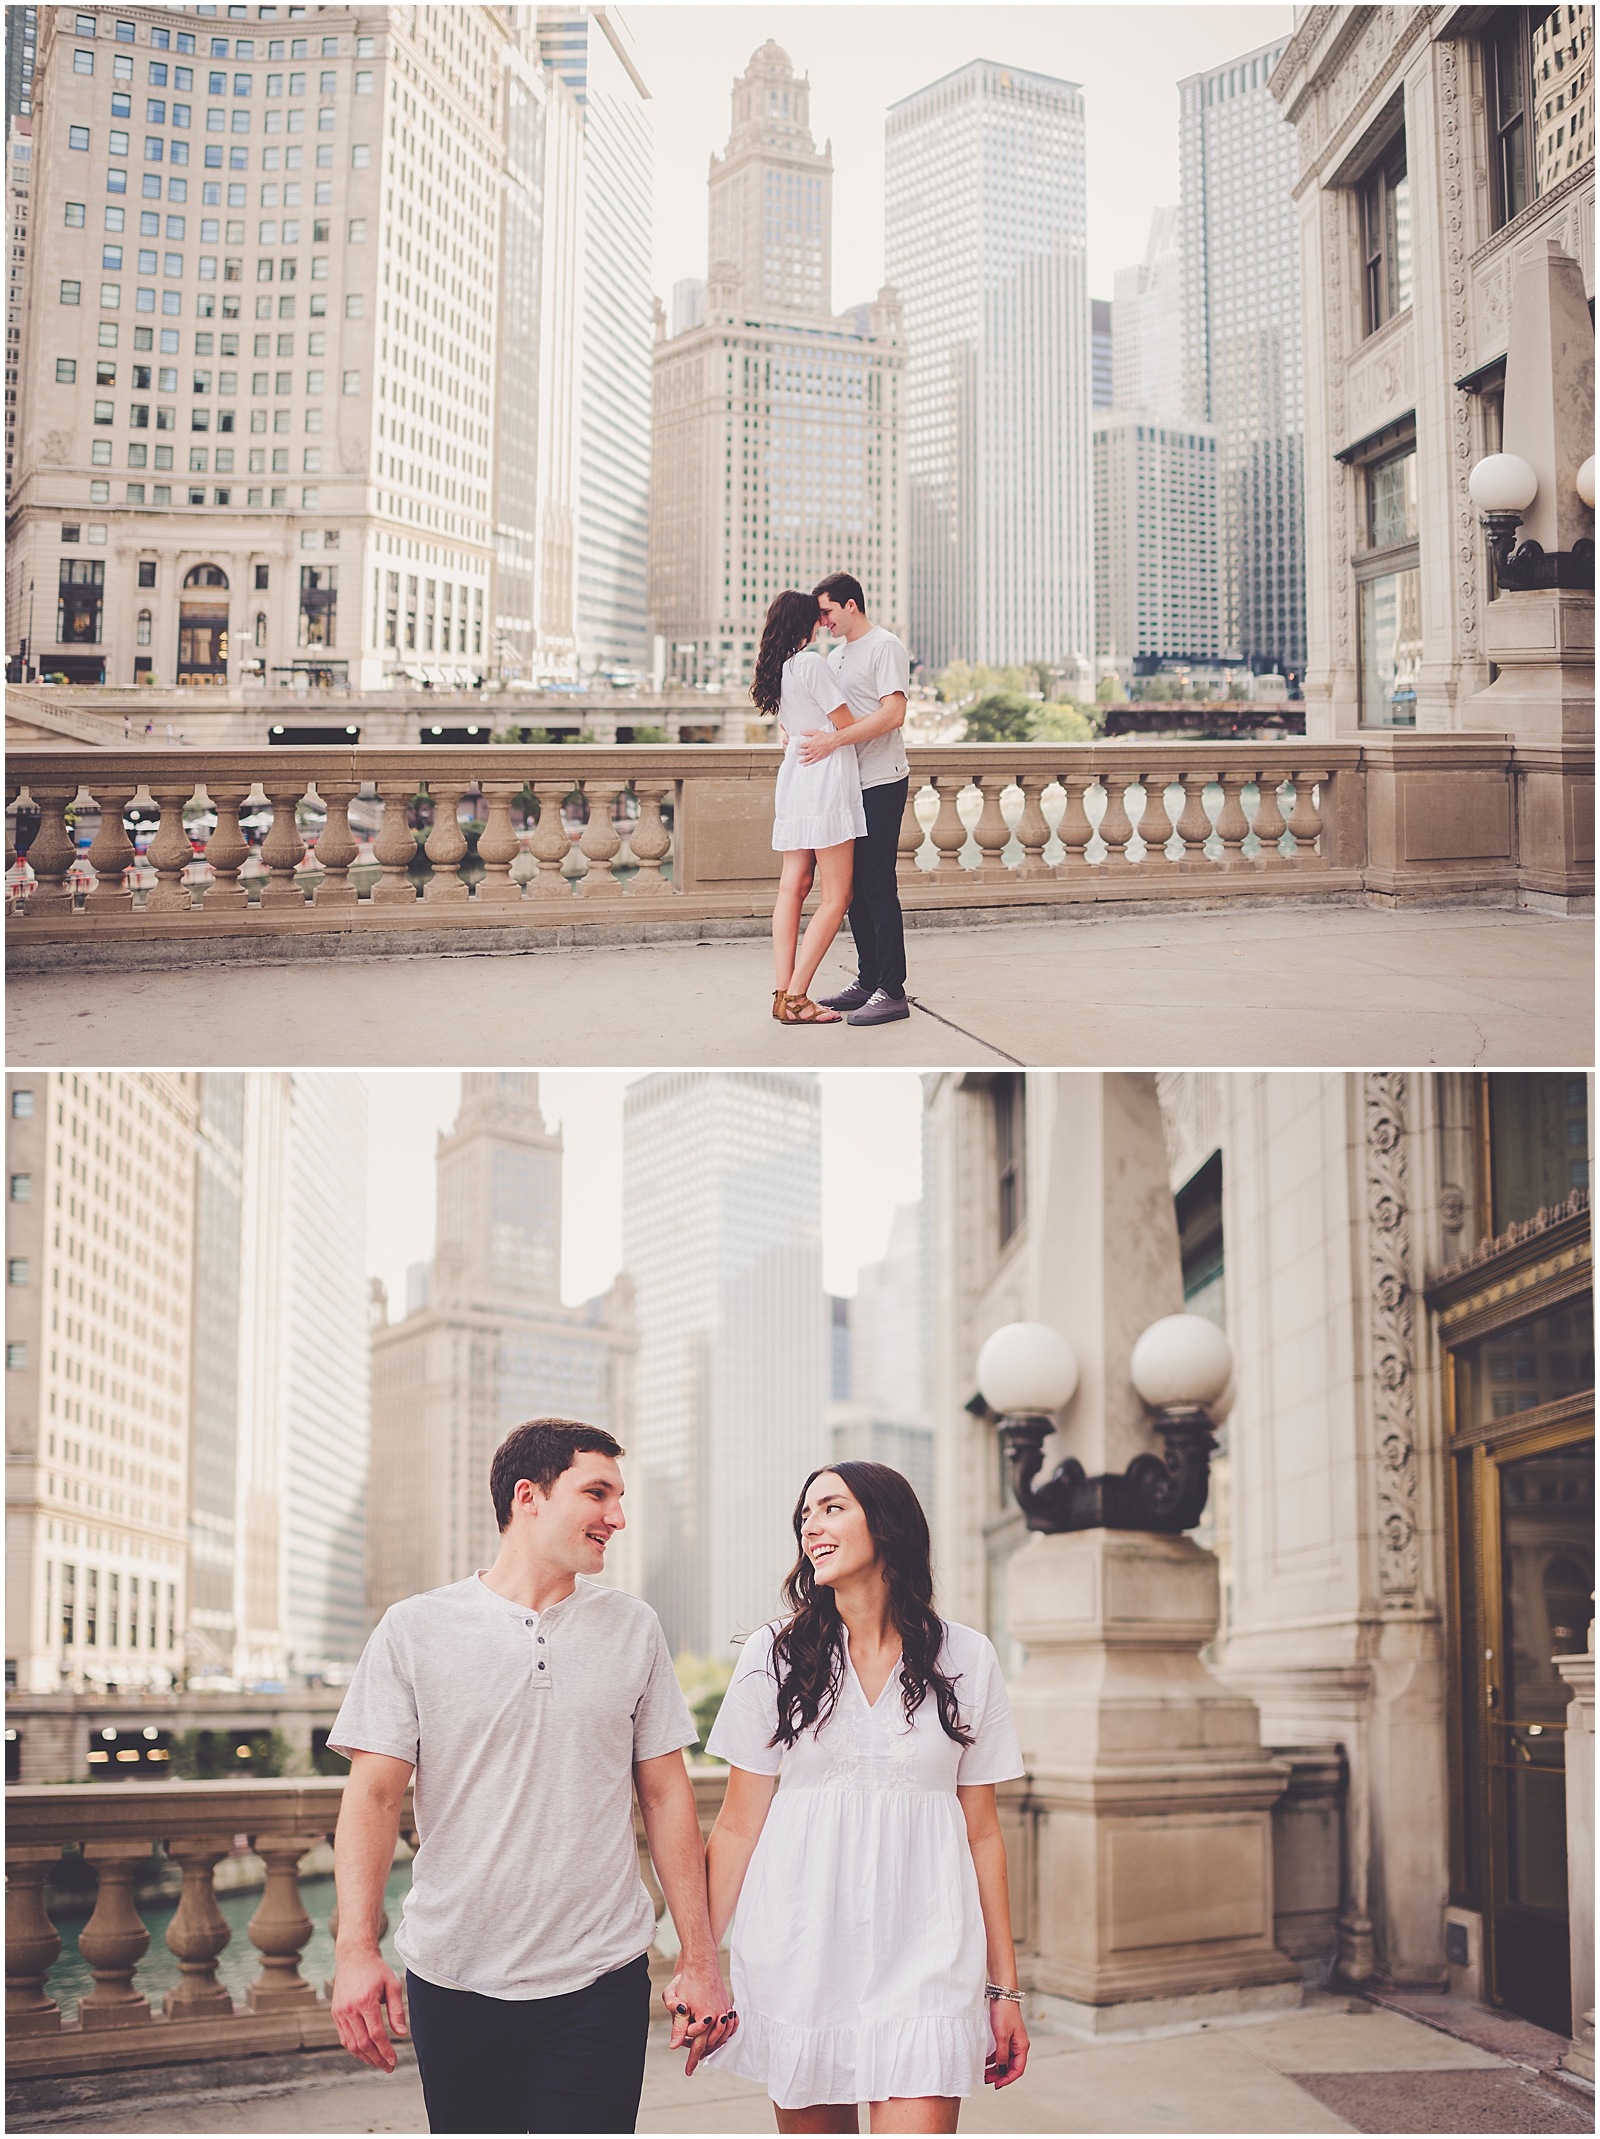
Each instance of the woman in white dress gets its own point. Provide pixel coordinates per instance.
(871, 1950)
(818, 809)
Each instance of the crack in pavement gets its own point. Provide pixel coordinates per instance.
(976, 1038)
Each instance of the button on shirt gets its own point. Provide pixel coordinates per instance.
(523, 1728)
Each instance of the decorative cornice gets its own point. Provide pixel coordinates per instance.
(1515, 1236)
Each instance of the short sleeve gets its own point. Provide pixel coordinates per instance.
(822, 684)
(891, 666)
(748, 1717)
(994, 1756)
(379, 1711)
(661, 1719)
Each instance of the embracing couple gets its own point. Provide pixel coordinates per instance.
(837, 683)
(870, 1952)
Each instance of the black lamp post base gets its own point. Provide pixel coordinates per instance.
(1166, 1494)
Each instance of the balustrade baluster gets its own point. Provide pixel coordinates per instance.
(52, 853)
(949, 834)
(550, 844)
(1233, 825)
(395, 848)
(172, 850)
(198, 1931)
(283, 850)
(111, 850)
(1033, 828)
(33, 1943)
(1269, 822)
(906, 871)
(1075, 831)
(114, 1939)
(1194, 826)
(600, 844)
(1155, 827)
(446, 845)
(991, 831)
(499, 846)
(1116, 827)
(227, 850)
(338, 846)
(650, 840)
(280, 1927)
(1310, 799)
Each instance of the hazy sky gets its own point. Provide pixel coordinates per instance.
(871, 1160)
(1128, 60)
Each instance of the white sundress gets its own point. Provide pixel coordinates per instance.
(815, 805)
(858, 1954)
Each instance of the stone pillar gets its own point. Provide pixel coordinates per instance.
(1153, 1791)
(1578, 1671)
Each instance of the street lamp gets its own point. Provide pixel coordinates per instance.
(1503, 486)
(1182, 1366)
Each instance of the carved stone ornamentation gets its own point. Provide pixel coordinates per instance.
(1333, 236)
(1393, 1321)
(1448, 62)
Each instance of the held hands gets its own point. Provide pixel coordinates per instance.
(365, 1989)
(1008, 2060)
(702, 2011)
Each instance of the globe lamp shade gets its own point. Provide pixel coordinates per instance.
(1585, 481)
(1218, 1411)
(1027, 1369)
(1503, 482)
(1182, 1360)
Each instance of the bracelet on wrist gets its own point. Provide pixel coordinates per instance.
(996, 1990)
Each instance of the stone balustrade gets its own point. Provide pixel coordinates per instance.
(674, 834)
(115, 1826)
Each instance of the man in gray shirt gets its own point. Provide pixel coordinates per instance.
(872, 670)
(530, 1701)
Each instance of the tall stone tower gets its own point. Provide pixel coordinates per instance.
(772, 191)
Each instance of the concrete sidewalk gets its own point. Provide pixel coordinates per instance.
(1335, 986)
(1338, 2065)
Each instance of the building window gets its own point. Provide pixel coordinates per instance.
(17, 1270)
(1008, 1103)
(1539, 73)
(22, 1105)
(142, 633)
(80, 601)
(147, 571)
(319, 604)
(1386, 236)
(22, 1188)
(1534, 1134)
(1199, 1207)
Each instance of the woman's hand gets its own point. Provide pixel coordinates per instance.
(1008, 2060)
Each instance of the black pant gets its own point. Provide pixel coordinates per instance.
(875, 920)
(568, 2064)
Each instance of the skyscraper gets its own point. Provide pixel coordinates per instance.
(721, 1237)
(883, 1411)
(1242, 345)
(1157, 588)
(19, 186)
(22, 35)
(591, 52)
(225, 467)
(304, 1408)
(1102, 390)
(985, 239)
(99, 1280)
(1147, 324)
(486, 1344)
(777, 423)
(219, 1180)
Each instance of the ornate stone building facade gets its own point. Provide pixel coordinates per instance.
(1439, 149)
(1403, 1265)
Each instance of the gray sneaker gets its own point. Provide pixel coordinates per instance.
(880, 1009)
(850, 998)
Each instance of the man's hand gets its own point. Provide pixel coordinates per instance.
(815, 746)
(365, 1990)
(1008, 2060)
(701, 2009)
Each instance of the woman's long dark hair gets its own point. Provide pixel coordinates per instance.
(791, 620)
(808, 1655)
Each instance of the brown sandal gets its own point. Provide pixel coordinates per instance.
(779, 998)
(795, 1008)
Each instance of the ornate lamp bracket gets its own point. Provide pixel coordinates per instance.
(1162, 1493)
(1521, 567)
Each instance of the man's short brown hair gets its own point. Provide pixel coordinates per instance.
(540, 1450)
(843, 588)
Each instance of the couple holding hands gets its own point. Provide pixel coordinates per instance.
(837, 683)
(870, 1951)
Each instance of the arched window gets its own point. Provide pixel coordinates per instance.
(206, 575)
(261, 627)
(144, 627)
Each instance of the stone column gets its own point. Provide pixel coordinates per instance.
(114, 1940)
(171, 851)
(198, 1931)
(1154, 1793)
(32, 1942)
(1578, 1671)
(280, 1927)
(991, 831)
(650, 840)
(337, 848)
(111, 849)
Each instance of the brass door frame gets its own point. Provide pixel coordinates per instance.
(1471, 1738)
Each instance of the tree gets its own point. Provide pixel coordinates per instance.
(962, 682)
(1059, 722)
(1109, 692)
(1001, 717)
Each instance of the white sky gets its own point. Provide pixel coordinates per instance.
(871, 1160)
(1128, 60)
